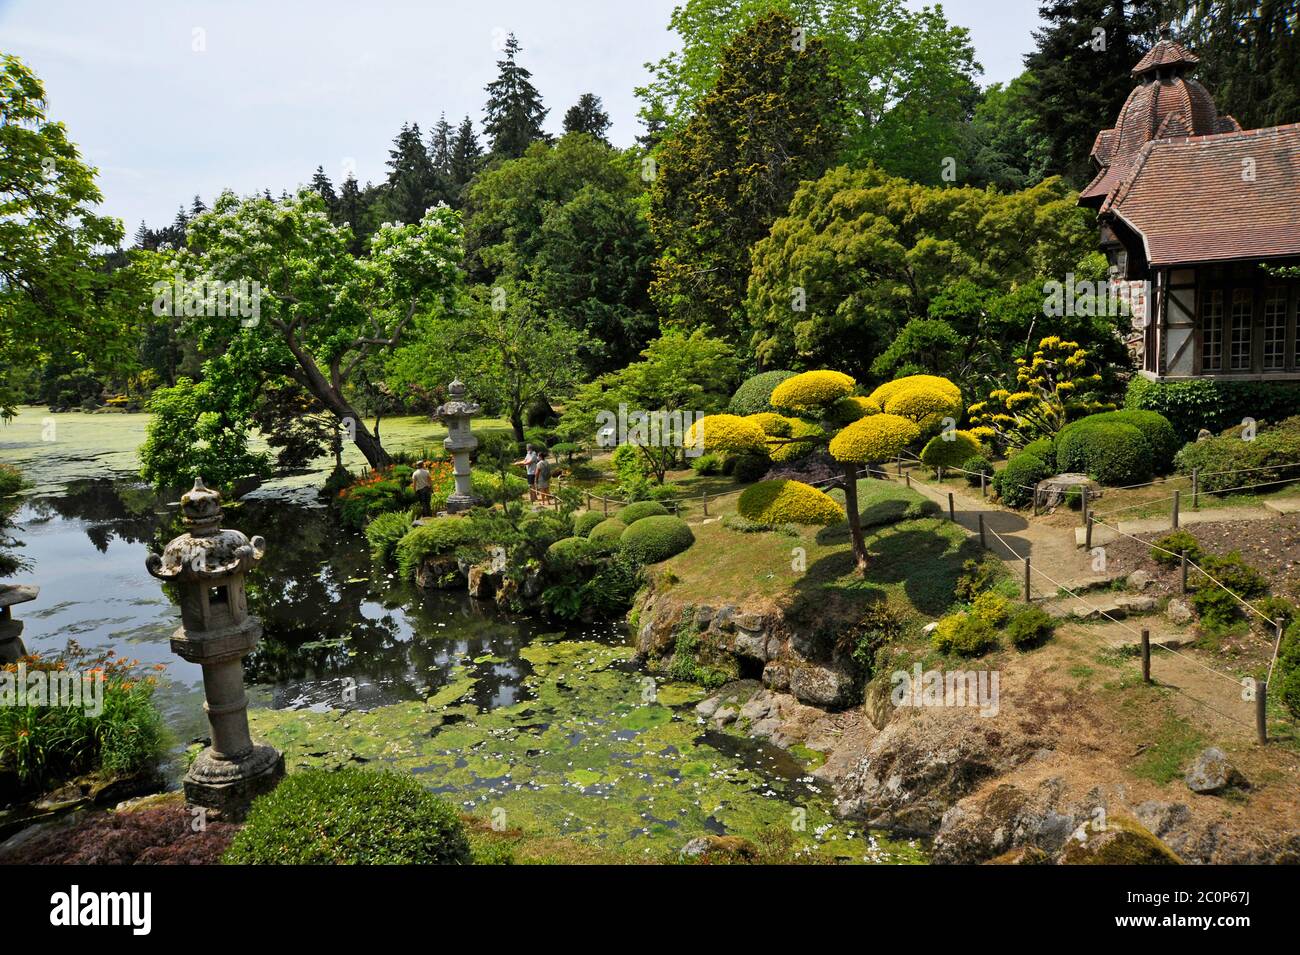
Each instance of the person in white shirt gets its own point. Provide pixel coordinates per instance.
(529, 461)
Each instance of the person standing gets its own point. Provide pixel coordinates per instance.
(422, 484)
(542, 477)
(529, 461)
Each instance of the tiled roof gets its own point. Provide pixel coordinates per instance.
(1165, 53)
(1233, 195)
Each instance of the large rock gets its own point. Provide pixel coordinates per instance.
(1178, 612)
(825, 686)
(1119, 841)
(1211, 773)
(1006, 819)
(921, 763)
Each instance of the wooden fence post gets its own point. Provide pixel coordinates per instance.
(1196, 488)
(952, 510)
(705, 498)
(588, 493)
(1087, 534)
(1176, 495)
(1028, 592)
(1146, 655)
(1083, 501)
(605, 503)
(900, 464)
(982, 543)
(984, 488)
(1261, 711)
(908, 479)
(1182, 560)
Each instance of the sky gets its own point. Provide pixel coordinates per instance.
(173, 98)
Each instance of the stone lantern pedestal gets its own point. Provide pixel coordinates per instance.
(208, 566)
(460, 441)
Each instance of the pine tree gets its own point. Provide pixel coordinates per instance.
(440, 140)
(1081, 73)
(325, 189)
(514, 108)
(587, 116)
(463, 164)
(144, 238)
(410, 176)
(197, 208)
(351, 212)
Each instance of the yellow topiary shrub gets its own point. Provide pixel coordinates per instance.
(877, 438)
(812, 392)
(886, 391)
(925, 399)
(772, 423)
(951, 449)
(788, 502)
(728, 434)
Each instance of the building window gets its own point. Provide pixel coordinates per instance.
(1212, 331)
(1275, 328)
(1239, 330)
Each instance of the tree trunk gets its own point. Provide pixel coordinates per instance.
(855, 519)
(517, 423)
(311, 378)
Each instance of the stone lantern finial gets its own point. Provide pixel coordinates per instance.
(207, 565)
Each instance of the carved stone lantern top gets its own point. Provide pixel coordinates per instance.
(205, 552)
(456, 406)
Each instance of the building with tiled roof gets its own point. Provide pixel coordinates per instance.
(1194, 212)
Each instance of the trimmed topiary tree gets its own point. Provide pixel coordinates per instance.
(1110, 452)
(584, 522)
(350, 817)
(755, 394)
(812, 392)
(610, 529)
(950, 449)
(788, 502)
(654, 539)
(1016, 482)
(638, 510)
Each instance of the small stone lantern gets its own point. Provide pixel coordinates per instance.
(11, 630)
(208, 566)
(455, 414)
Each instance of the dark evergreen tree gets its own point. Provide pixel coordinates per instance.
(587, 116)
(514, 108)
(1250, 56)
(440, 140)
(466, 158)
(197, 208)
(1081, 73)
(325, 189)
(410, 183)
(351, 212)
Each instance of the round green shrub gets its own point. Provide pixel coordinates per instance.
(1288, 669)
(639, 510)
(1155, 427)
(750, 468)
(964, 634)
(755, 394)
(350, 817)
(1015, 482)
(653, 539)
(1044, 449)
(949, 449)
(569, 549)
(1110, 452)
(610, 529)
(974, 467)
(1029, 627)
(1217, 607)
(585, 522)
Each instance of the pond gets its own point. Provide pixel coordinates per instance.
(558, 731)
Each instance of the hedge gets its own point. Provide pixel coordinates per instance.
(653, 539)
(584, 522)
(1156, 428)
(610, 529)
(1214, 405)
(1110, 452)
(755, 394)
(788, 502)
(350, 817)
(1229, 461)
(1015, 483)
(638, 510)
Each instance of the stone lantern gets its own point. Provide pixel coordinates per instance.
(11, 630)
(208, 566)
(455, 414)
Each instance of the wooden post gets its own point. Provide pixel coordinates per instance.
(677, 509)
(705, 498)
(900, 464)
(1028, 592)
(1083, 501)
(1196, 488)
(605, 502)
(588, 493)
(981, 520)
(939, 474)
(908, 479)
(1035, 500)
(1146, 655)
(1261, 711)
(1176, 494)
(1182, 560)
(984, 488)
(952, 510)
(1087, 534)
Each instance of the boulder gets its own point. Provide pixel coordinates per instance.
(1211, 773)
(776, 675)
(1179, 612)
(1138, 580)
(826, 686)
(1120, 841)
(719, 849)
(877, 701)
